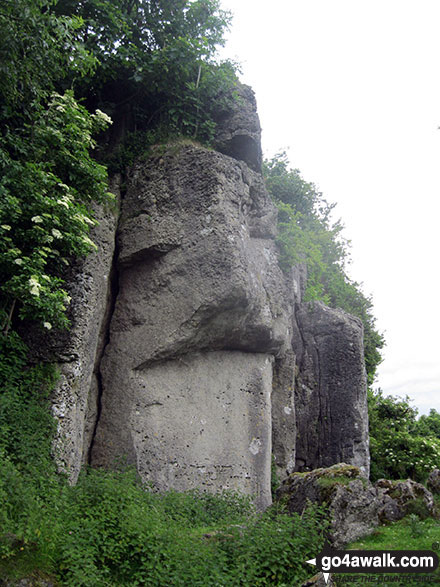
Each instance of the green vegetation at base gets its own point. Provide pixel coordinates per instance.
(110, 529)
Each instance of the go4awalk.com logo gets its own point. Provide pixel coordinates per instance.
(374, 561)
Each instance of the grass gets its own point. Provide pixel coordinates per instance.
(410, 533)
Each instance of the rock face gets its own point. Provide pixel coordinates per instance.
(77, 352)
(238, 129)
(201, 360)
(198, 319)
(330, 395)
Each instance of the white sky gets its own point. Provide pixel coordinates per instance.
(351, 89)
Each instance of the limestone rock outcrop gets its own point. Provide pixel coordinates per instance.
(191, 355)
(433, 482)
(352, 500)
(238, 129)
(330, 393)
(77, 352)
(404, 497)
(200, 314)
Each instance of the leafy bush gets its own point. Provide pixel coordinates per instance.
(48, 179)
(157, 66)
(399, 446)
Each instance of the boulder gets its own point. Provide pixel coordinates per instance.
(356, 506)
(318, 580)
(352, 500)
(433, 483)
(331, 389)
(406, 497)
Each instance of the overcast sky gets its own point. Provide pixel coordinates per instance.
(351, 89)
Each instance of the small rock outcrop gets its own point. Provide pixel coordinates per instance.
(433, 482)
(352, 500)
(406, 497)
(356, 506)
(319, 580)
(238, 128)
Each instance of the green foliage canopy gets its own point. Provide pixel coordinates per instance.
(156, 63)
(308, 235)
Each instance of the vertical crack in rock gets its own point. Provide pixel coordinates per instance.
(104, 339)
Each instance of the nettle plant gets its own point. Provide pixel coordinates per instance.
(48, 181)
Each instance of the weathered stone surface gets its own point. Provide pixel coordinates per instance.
(238, 129)
(201, 420)
(408, 497)
(199, 315)
(433, 483)
(330, 393)
(352, 500)
(283, 397)
(211, 356)
(283, 415)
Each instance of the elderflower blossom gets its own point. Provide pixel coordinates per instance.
(36, 219)
(18, 261)
(56, 233)
(47, 325)
(89, 242)
(85, 219)
(34, 286)
(63, 201)
(103, 116)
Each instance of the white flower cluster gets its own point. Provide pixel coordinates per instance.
(35, 286)
(102, 116)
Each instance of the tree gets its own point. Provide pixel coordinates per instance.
(149, 62)
(48, 178)
(156, 63)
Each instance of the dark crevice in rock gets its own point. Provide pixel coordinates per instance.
(104, 337)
